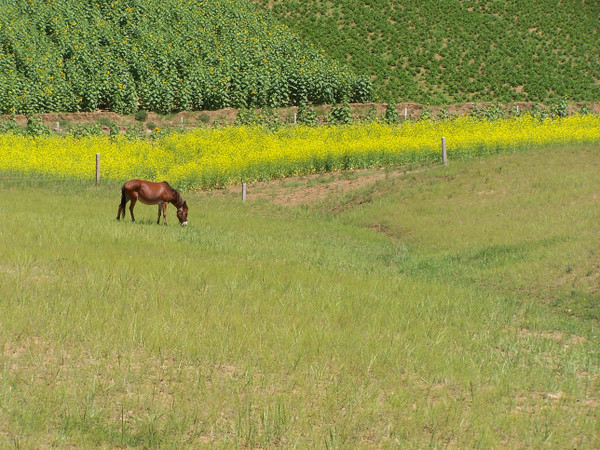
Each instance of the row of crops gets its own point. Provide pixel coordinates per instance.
(160, 55)
(168, 55)
(207, 158)
(449, 51)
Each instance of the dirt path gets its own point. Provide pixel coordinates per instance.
(315, 189)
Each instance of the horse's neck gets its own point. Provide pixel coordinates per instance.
(177, 200)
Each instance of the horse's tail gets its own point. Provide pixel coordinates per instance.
(123, 203)
(123, 196)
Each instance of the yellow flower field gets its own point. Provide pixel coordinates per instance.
(214, 157)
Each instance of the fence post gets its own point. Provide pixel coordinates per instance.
(444, 156)
(97, 169)
(58, 127)
(243, 192)
(405, 112)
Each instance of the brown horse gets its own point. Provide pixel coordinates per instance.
(152, 193)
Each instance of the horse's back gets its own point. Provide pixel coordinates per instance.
(150, 192)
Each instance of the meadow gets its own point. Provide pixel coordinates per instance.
(216, 157)
(435, 306)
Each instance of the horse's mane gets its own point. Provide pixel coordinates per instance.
(178, 197)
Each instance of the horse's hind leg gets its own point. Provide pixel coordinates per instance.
(159, 208)
(133, 200)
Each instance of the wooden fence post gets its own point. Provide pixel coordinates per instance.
(444, 156)
(97, 169)
(243, 192)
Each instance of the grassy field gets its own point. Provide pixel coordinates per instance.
(431, 306)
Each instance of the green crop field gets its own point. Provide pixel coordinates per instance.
(449, 51)
(169, 55)
(69, 56)
(427, 306)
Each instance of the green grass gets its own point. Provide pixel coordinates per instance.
(439, 306)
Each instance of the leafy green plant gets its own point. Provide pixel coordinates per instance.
(560, 109)
(134, 132)
(84, 130)
(426, 114)
(585, 109)
(36, 127)
(141, 115)
(340, 114)
(493, 111)
(444, 114)
(370, 115)
(307, 115)
(9, 126)
(391, 113)
(539, 112)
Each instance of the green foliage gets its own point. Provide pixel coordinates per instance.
(159, 55)
(560, 109)
(141, 115)
(391, 114)
(444, 114)
(266, 116)
(307, 115)
(426, 114)
(371, 115)
(340, 115)
(490, 112)
(134, 132)
(83, 130)
(448, 51)
(539, 112)
(585, 109)
(9, 126)
(36, 127)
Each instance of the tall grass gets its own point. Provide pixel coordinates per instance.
(438, 311)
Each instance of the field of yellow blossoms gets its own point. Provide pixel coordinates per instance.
(205, 158)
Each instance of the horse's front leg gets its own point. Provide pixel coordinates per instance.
(159, 208)
(164, 207)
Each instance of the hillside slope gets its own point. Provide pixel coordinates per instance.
(161, 55)
(449, 51)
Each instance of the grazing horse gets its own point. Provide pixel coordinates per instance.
(152, 193)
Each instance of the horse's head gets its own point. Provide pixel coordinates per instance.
(182, 212)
